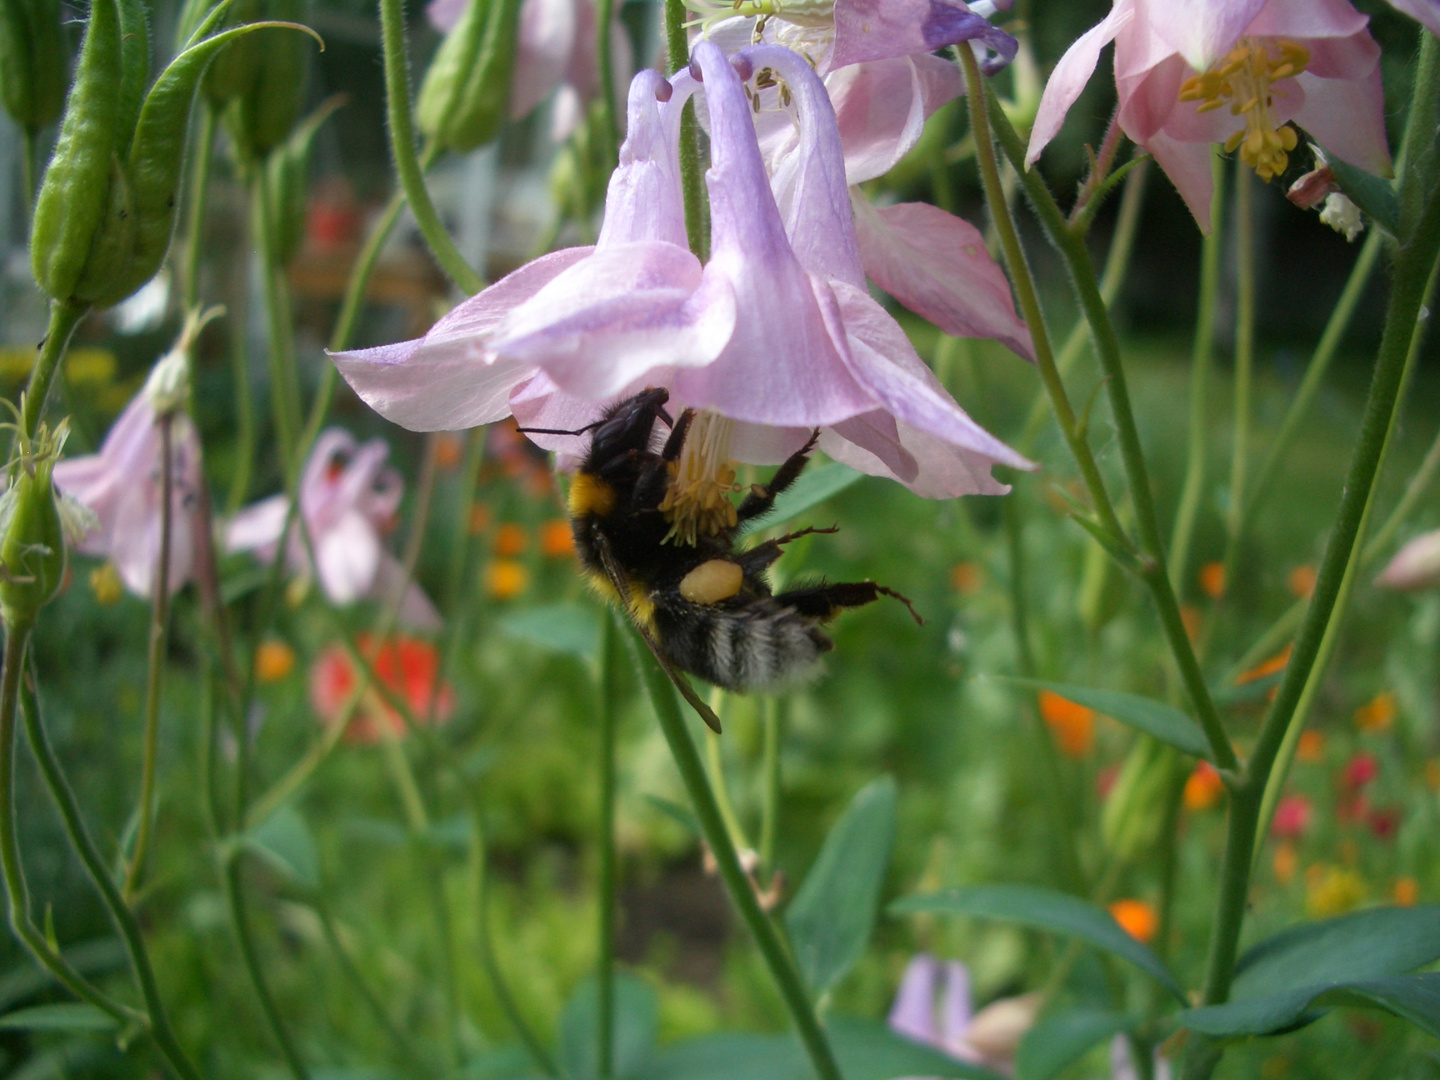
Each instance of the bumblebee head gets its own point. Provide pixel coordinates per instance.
(627, 426)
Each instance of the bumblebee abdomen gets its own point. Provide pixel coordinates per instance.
(756, 645)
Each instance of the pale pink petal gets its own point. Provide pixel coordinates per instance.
(1347, 118)
(940, 470)
(444, 15)
(956, 1010)
(881, 107)
(1070, 76)
(257, 527)
(1150, 101)
(879, 29)
(1415, 566)
(1299, 19)
(913, 1014)
(1188, 167)
(1202, 31)
(347, 556)
(546, 40)
(871, 442)
(1425, 12)
(644, 201)
(445, 381)
(937, 266)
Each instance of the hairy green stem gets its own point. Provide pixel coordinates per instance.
(737, 882)
(65, 315)
(677, 45)
(115, 906)
(1151, 568)
(1202, 359)
(155, 670)
(402, 147)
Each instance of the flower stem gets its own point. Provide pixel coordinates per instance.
(1151, 568)
(1202, 359)
(65, 315)
(1413, 491)
(770, 764)
(610, 123)
(195, 218)
(15, 888)
(677, 46)
(284, 381)
(155, 671)
(402, 147)
(115, 906)
(1244, 353)
(737, 884)
(609, 708)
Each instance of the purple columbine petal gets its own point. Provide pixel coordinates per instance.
(878, 435)
(258, 527)
(913, 1014)
(877, 29)
(937, 266)
(347, 556)
(644, 200)
(955, 1010)
(1202, 31)
(881, 107)
(1070, 76)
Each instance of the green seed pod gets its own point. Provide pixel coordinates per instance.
(1134, 811)
(265, 83)
(114, 243)
(74, 195)
(288, 174)
(230, 74)
(32, 541)
(32, 62)
(134, 71)
(465, 97)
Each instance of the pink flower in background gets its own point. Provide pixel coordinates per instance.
(122, 485)
(933, 1006)
(1415, 566)
(1191, 73)
(348, 499)
(1292, 817)
(555, 50)
(1360, 771)
(776, 334)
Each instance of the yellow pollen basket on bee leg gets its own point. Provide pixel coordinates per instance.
(1242, 80)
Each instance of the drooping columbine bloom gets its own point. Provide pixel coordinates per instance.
(1192, 73)
(989, 1037)
(776, 335)
(1415, 566)
(348, 499)
(123, 483)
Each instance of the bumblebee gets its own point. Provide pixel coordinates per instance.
(702, 606)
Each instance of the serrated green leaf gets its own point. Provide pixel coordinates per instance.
(68, 1016)
(1155, 718)
(571, 629)
(1043, 909)
(1063, 1038)
(833, 913)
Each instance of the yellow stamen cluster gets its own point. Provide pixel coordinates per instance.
(1243, 80)
(812, 13)
(701, 483)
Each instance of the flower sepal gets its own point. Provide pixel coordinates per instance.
(33, 533)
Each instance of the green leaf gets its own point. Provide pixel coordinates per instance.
(1412, 997)
(1164, 722)
(569, 629)
(814, 487)
(1043, 909)
(70, 1016)
(832, 915)
(1063, 1038)
(637, 1024)
(865, 1050)
(1374, 195)
(284, 842)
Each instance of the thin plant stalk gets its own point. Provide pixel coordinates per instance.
(1244, 351)
(1149, 561)
(605, 68)
(1413, 492)
(65, 315)
(84, 847)
(195, 217)
(1201, 360)
(771, 708)
(284, 378)
(609, 709)
(155, 670)
(402, 147)
(737, 883)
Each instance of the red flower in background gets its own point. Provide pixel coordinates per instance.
(408, 667)
(1360, 771)
(1292, 817)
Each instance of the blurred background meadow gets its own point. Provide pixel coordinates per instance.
(391, 884)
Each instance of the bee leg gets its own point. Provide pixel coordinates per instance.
(676, 442)
(824, 602)
(762, 498)
(755, 560)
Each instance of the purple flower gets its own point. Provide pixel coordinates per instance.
(349, 500)
(776, 334)
(123, 483)
(989, 1037)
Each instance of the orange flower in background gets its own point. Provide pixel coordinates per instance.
(1072, 725)
(1311, 748)
(479, 518)
(1302, 581)
(408, 667)
(1203, 788)
(557, 540)
(1286, 862)
(506, 579)
(1269, 667)
(1212, 580)
(1407, 891)
(967, 577)
(510, 540)
(274, 660)
(449, 449)
(1136, 918)
(1377, 714)
(1190, 619)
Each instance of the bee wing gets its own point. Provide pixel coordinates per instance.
(617, 578)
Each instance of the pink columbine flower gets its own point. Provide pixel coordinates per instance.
(1195, 72)
(555, 50)
(1415, 566)
(774, 336)
(932, 1006)
(123, 483)
(348, 499)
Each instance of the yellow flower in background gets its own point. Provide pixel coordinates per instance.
(1331, 890)
(1311, 749)
(1377, 714)
(106, 584)
(274, 660)
(1285, 863)
(1302, 581)
(505, 579)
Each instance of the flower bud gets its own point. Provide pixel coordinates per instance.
(260, 80)
(32, 62)
(33, 533)
(1134, 811)
(466, 93)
